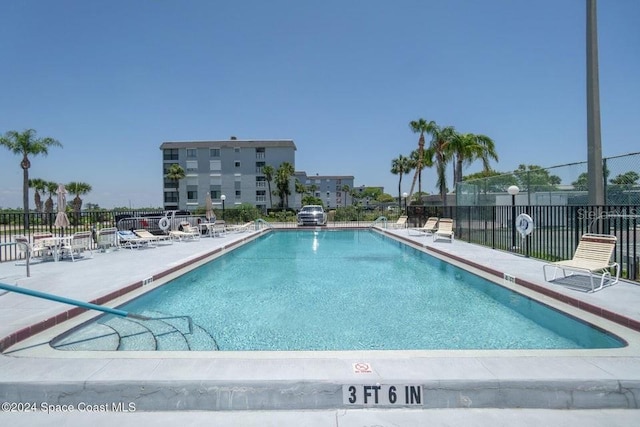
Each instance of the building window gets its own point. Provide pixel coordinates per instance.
(215, 165)
(215, 191)
(192, 153)
(170, 154)
(238, 194)
(171, 197)
(192, 166)
(192, 192)
(260, 153)
(236, 149)
(214, 152)
(237, 163)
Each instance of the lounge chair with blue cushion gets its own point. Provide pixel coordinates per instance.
(128, 239)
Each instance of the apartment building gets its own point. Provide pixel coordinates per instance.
(331, 189)
(230, 168)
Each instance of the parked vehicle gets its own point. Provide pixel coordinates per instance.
(312, 215)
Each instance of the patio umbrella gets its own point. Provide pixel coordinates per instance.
(61, 217)
(209, 205)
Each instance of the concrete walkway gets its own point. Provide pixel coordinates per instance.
(308, 388)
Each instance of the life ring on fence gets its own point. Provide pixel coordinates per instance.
(524, 224)
(164, 223)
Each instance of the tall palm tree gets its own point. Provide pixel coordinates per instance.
(347, 190)
(38, 185)
(269, 172)
(79, 189)
(467, 148)
(284, 172)
(400, 166)
(175, 173)
(26, 144)
(420, 126)
(440, 153)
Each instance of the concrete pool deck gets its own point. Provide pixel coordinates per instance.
(284, 385)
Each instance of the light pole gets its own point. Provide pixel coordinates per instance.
(513, 190)
(223, 198)
(404, 196)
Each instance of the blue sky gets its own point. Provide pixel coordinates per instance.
(113, 80)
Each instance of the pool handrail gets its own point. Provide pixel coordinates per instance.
(261, 221)
(27, 250)
(77, 303)
(382, 219)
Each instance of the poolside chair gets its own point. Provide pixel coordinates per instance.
(237, 228)
(429, 227)
(187, 232)
(77, 244)
(152, 238)
(401, 223)
(30, 251)
(128, 239)
(106, 238)
(445, 230)
(592, 256)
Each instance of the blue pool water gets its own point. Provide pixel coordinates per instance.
(355, 290)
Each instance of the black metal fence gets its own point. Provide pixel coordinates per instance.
(12, 224)
(556, 234)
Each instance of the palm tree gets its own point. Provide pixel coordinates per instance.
(400, 166)
(175, 173)
(283, 174)
(38, 185)
(51, 188)
(469, 147)
(347, 191)
(27, 144)
(440, 153)
(79, 189)
(268, 172)
(420, 126)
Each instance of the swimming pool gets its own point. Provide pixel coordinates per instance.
(340, 290)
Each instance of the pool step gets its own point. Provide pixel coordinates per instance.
(161, 332)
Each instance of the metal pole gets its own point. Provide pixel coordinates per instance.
(513, 222)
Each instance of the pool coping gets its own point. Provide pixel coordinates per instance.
(295, 380)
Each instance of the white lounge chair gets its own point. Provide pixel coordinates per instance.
(107, 239)
(188, 232)
(400, 223)
(77, 244)
(237, 228)
(429, 227)
(592, 256)
(153, 238)
(445, 230)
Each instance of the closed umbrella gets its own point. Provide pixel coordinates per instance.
(61, 218)
(209, 205)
